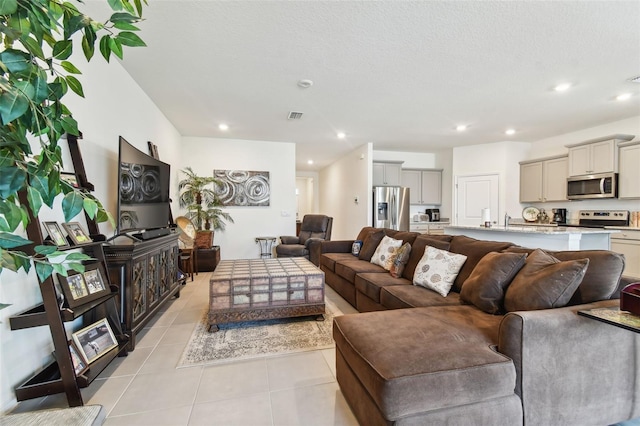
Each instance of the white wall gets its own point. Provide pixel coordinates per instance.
(340, 183)
(279, 218)
(113, 105)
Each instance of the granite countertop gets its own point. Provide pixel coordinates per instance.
(554, 230)
(441, 222)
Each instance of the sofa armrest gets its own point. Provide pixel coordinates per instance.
(571, 367)
(340, 246)
(289, 240)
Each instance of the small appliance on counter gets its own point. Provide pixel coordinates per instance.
(434, 215)
(559, 216)
(602, 218)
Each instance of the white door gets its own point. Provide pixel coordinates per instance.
(474, 193)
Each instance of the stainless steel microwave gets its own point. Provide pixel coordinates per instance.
(601, 185)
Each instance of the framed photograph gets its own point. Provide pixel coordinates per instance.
(56, 235)
(70, 178)
(76, 233)
(79, 289)
(95, 340)
(79, 363)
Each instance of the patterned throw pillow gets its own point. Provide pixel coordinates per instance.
(438, 269)
(383, 254)
(399, 260)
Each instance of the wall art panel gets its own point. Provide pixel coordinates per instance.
(242, 188)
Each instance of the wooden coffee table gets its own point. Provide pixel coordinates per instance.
(257, 289)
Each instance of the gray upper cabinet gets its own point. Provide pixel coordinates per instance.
(387, 173)
(629, 178)
(425, 185)
(596, 155)
(543, 180)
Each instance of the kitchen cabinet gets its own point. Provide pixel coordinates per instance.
(629, 169)
(387, 173)
(627, 242)
(596, 155)
(425, 185)
(431, 228)
(543, 180)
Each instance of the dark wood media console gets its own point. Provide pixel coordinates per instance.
(146, 273)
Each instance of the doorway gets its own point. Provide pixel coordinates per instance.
(474, 193)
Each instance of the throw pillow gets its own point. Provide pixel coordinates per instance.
(544, 282)
(438, 269)
(355, 247)
(370, 244)
(486, 286)
(399, 260)
(384, 252)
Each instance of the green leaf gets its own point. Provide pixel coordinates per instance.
(69, 67)
(35, 200)
(12, 214)
(125, 26)
(15, 60)
(123, 17)
(70, 125)
(74, 24)
(13, 104)
(8, 260)
(8, 6)
(33, 47)
(41, 184)
(26, 88)
(115, 4)
(4, 226)
(44, 270)
(116, 47)
(41, 88)
(75, 85)
(59, 269)
(71, 205)
(9, 241)
(78, 267)
(63, 49)
(78, 256)
(91, 207)
(11, 180)
(139, 6)
(130, 39)
(105, 48)
(21, 260)
(46, 250)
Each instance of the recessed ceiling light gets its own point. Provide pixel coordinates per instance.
(562, 87)
(623, 97)
(305, 84)
(635, 79)
(461, 128)
(310, 162)
(223, 127)
(341, 135)
(510, 131)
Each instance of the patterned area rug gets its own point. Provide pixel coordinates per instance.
(255, 339)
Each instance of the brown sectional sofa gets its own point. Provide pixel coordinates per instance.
(428, 359)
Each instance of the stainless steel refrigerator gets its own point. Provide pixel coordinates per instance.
(391, 207)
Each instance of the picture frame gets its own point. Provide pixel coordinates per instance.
(80, 288)
(76, 233)
(79, 363)
(70, 178)
(95, 340)
(55, 234)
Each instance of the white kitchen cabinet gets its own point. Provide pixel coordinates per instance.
(543, 180)
(596, 155)
(425, 185)
(431, 228)
(387, 174)
(629, 171)
(627, 242)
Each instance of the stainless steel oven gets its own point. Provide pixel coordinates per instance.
(602, 185)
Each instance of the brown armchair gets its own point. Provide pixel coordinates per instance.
(314, 229)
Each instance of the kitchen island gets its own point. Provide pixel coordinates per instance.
(545, 237)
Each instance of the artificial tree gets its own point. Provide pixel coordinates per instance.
(39, 37)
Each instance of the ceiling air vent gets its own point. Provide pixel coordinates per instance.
(294, 115)
(635, 79)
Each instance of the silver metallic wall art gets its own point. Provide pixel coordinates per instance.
(242, 188)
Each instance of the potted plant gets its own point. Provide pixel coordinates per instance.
(203, 206)
(38, 38)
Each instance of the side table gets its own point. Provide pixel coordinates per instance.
(614, 316)
(207, 259)
(266, 246)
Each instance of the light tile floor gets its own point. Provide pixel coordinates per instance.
(145, 388)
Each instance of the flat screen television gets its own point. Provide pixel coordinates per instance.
(143, 190)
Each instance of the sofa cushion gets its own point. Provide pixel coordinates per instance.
(474, 250)
(409, 368)
(417, 250)
(485, 287)
(370, 244)
(370, 284)
(600, 282)
(328, 260)
(348, 268)
(412, 296)
(544, 282)
(384, 252)
(438, 269)
(364, 232)
(400, 259)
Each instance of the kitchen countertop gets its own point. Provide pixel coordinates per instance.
(440, 222)
(541, 229)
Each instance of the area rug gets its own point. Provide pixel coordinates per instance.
(256, 339)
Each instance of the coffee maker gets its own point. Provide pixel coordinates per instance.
(560, 216)
(434, 215)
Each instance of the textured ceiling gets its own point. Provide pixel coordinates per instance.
(399, 74)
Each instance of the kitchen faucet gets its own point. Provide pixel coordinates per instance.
(507, 218)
